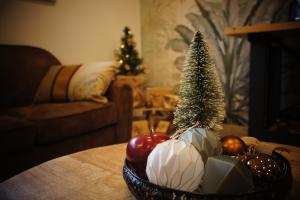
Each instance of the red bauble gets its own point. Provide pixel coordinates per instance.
(139, 148)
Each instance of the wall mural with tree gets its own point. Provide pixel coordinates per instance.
(168, 27)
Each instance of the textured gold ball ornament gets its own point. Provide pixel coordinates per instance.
(249, 153)
(232, 145)
(264, 167)
(243, 158)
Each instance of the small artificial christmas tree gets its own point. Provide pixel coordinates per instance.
(128, 62)
(201, 94)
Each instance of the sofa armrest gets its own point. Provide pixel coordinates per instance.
(120, 93)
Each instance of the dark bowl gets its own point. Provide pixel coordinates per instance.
(143, 189)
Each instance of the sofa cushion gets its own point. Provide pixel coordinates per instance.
(91, 81)
(58, 121)
(15, 134)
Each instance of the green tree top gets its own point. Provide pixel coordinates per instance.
(201, 94)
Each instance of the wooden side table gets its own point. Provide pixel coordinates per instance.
(269, 44)
(153, 114)
(138, 84)
(159, 101)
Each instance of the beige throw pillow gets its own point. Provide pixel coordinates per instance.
(91, 81)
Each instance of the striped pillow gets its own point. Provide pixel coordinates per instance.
(76, 82)
(55, 85)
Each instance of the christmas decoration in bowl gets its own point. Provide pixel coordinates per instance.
(143, 189)
(195, 163)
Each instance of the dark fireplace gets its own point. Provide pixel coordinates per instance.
(274, 113)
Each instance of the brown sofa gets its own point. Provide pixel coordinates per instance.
(34, 133)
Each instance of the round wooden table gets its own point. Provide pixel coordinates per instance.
(97, 174)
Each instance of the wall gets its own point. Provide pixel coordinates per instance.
(76, 31)
(168, 27)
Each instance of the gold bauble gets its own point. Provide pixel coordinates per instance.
(232, 145)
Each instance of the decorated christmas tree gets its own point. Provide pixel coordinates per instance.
(128, 62)
(201, 94)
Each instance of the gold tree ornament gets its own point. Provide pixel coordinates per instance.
(127, 67)
(201, 94)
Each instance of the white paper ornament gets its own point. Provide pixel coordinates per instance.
(205, 141)
(175, 164)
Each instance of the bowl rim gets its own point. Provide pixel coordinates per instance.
(286, 174)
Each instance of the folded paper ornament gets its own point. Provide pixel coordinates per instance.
(175, 164)
(205, 141)
(226, 175)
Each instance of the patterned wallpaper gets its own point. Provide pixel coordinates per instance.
(168, 27)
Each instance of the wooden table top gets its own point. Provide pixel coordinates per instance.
(86, 175)
(96, 174)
